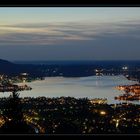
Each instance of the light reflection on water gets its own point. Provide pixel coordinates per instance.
(91, 87)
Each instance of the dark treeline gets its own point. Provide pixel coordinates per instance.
(70, 69)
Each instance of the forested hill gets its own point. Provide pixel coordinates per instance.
(5, 62)
(76, 69)
(12, 69)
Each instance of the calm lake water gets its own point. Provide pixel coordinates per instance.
(91, 87)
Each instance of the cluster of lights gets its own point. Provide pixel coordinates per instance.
(125, 68)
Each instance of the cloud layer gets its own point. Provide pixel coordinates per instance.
(46, 33)
(71, 41)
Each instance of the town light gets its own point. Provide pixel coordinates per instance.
(124, 68)
(102, 112)
(117, 123)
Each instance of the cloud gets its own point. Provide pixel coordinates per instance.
(50, 34)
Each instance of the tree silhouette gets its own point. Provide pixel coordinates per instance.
(13, 115)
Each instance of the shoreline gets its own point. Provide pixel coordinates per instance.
(50, 83)
(132, 92)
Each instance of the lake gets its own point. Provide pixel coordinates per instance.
(91, 87)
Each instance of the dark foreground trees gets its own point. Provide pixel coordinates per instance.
(13, 115)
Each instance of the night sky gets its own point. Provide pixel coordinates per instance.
(70, 33)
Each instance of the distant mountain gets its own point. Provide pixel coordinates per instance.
(7, 67)
(12, 69)
(5, 62)
(67, 70)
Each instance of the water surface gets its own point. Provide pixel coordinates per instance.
(91, 87)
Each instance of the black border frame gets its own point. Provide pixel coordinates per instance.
(69, 3)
